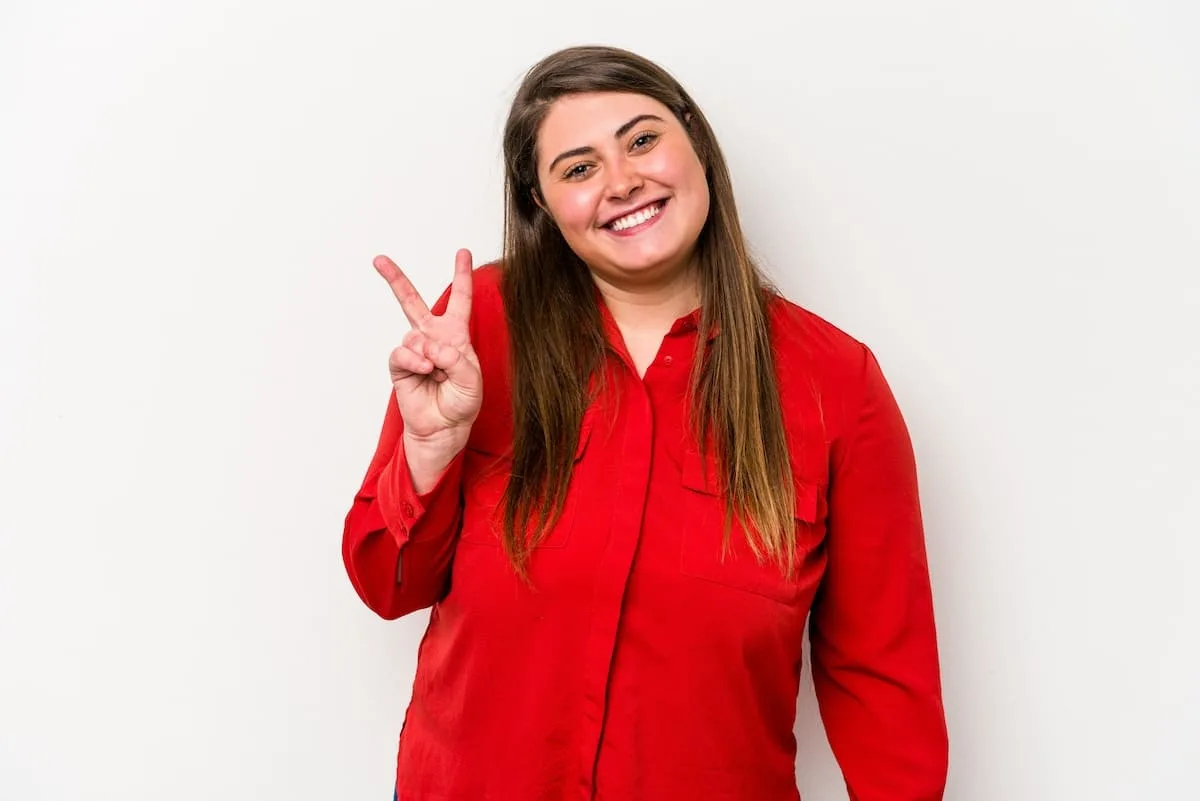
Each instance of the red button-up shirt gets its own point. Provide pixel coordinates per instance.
(640, 665)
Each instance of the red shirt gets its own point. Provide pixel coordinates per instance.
(641, 666)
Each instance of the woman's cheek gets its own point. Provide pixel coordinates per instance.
(579, 209)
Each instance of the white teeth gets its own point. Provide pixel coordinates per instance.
(637, 218)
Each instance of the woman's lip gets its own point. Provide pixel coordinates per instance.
(608, 224)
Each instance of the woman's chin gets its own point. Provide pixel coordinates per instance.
(649, 267)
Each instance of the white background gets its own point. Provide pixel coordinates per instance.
(1001, 198)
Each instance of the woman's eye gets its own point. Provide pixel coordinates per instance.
(578, 171)
(644, 139)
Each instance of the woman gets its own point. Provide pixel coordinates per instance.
(623, 471)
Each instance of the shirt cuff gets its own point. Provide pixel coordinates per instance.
(410, 516)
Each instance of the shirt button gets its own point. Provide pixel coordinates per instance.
(667, 360)
(408, 510)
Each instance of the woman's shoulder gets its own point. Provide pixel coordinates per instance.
(805, 340)
(487, 303)
(489, 327)
(486, 285)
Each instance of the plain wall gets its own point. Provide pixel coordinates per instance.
(1001, 198)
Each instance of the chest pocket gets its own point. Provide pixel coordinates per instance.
(485, 478)
(702, 516)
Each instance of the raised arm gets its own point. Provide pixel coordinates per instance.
(399, 535)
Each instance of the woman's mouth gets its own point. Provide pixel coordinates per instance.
(637, 221)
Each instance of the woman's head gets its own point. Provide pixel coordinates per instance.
(596, 134)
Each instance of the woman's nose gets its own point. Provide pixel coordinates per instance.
(624, 179)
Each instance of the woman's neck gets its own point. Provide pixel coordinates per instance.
(651, 308)
(645, 314)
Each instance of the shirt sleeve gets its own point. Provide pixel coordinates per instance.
(874, 648)
(397, 545)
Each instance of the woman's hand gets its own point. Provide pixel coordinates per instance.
(435, 372)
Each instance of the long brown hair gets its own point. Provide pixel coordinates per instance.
(558, 345)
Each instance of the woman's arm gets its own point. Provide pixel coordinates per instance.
(393, 530)
(400, 534)
(874, 646)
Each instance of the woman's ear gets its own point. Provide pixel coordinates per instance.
(537, 199)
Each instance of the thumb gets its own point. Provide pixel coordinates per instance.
(456, 363)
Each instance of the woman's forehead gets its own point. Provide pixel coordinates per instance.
(590, 119)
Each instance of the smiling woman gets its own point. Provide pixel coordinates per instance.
(624, 471)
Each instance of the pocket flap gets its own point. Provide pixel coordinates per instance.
(700, 475)
(499, 446)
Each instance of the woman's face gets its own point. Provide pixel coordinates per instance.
(618, 174)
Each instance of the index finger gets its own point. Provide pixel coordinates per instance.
(459, 304)
(410, 300)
